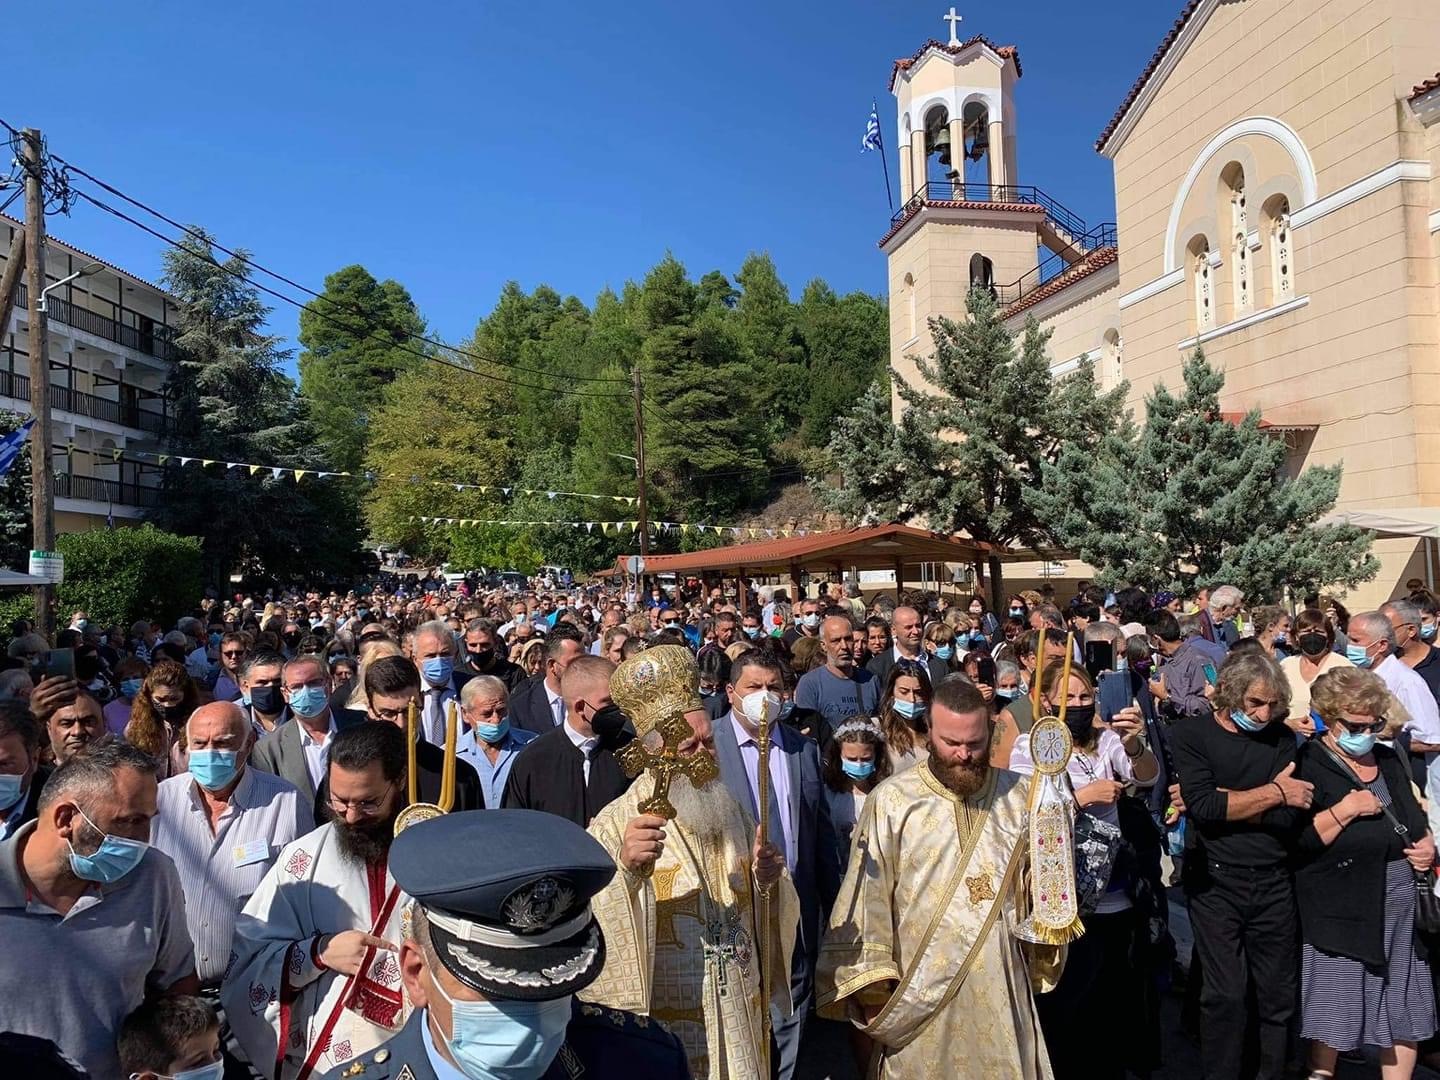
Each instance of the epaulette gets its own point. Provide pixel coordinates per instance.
(376, 1065)
(634, 1025)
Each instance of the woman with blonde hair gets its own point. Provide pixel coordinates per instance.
(532, 656)
(158, 714)
(1360, 858)
(354, 705)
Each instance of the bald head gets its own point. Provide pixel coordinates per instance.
(217, 716)
(585, 689)
(219, 726)
(906, 627)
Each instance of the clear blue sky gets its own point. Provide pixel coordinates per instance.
(454, 146)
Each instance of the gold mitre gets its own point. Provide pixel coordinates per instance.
(658, 682)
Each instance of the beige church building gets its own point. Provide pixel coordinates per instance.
(1277, 192)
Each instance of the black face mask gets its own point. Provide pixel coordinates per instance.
(267, 700)
(608, 722)
(291, 640)
(166, 712)
(482, 658)
(1080, 719)
(1312, 644)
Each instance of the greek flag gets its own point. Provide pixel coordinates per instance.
(871, 141)
(11, 445)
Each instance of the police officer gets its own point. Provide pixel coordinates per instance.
(498, 941)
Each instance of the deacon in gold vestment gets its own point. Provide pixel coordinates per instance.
(920, 954)
(680, 918)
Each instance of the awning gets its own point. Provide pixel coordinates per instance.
(1418, 521)
(15, 579)
(880, 547)
(1277, 426)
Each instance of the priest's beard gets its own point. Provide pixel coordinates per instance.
(367, 842)
(961, 780)
(706, 811)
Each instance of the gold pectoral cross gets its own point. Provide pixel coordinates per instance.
(665, 763)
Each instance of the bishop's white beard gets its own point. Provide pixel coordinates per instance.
(705, 811)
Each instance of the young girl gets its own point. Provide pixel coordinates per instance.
(855, 761)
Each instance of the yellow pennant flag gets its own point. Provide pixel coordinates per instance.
(298, 474)
(254, 469)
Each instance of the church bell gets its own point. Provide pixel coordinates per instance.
(940, 145)
(979, 142)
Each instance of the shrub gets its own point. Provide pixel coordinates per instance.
(120, 575)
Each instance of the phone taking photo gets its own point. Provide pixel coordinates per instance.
(1112, 693)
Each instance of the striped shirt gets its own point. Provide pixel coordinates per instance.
(220, 869)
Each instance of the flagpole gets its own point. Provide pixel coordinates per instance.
(885, 165)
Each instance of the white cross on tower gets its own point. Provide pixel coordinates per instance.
(954, 21)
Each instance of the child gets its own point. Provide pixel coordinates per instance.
(171, 1037)
(855, 761)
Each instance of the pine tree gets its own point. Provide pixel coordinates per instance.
(233, 403)
(848, 343)
(765, 322)
(1193, 499)
(974, 434)
(357, 336)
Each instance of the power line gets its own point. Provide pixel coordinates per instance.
(197, 235)
(327, 317)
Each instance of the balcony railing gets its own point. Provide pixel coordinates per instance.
(15, 385)
(119, 492)
(1054, 265)
(1026, 194)
(158, 341)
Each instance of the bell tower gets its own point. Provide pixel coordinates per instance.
(965, 221)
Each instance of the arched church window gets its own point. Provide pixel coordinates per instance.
(909, 291)
(1241, 283)
(982, 274)
(1282, 260)
(1204, 289)
(1112, 366)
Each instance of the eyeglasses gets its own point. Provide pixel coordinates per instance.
(364, 807)
(232, 654)
(394, 716)
(1375, 727)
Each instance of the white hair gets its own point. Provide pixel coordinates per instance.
(483, 686)
(1226, 596)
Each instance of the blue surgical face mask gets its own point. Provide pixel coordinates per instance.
(130, 688)
(810, 621)
(858, 770)
(214, 1071)
(1280, 639)
(1007, 694)
(213, 769)
(751, 632)
(505, 1040)
(493, 733)
(944, 652)
(10, 789)
(438, 670)
(910, 709)
(1354, 743)
(1427, 631)
(113, 859)
(1243, 721)
(1357, 655)
(786, 708)
(1018, 613)
(308, 701)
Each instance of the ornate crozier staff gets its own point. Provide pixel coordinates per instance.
(424, 811)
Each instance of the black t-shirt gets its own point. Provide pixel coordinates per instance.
(1429, 670)
(1207, 758)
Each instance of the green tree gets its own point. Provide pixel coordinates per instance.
(356, 337)
(1194, 499)
(16, 520)
(976, 433)
(437, 423)
(765, 323)
(233, 403)
(705, 434)
(848, 343)
(120, 575)
(607, 423)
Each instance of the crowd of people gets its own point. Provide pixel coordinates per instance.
(200, 862)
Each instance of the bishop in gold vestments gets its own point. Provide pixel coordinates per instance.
(922, 931)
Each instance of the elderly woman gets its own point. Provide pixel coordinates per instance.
(1272, 630)
(1314, 641)
(1363, 978)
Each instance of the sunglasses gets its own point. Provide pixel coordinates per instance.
(1376, 727)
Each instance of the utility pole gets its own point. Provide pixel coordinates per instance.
(14, 267)
(42, 494)
(640, 463)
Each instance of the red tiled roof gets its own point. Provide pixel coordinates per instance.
(1007, 52)
(869, 548)
(916, 205)
(51, 237)
(1170, 38)
(1425, 87)
(1078, 271)
(1237, 418)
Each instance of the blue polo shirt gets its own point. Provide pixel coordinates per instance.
(493, 776)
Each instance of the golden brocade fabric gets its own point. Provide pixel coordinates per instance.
(681, 946)
(924, 922)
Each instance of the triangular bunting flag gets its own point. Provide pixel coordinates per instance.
(163, 458)
(275, 473)
(254, 469)
(115, 456)
(298, 474)
(207, 461)
(186, 460)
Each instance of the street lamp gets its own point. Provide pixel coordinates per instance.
(85, 271)
(627, 457)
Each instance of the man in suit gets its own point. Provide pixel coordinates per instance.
(21, 776)
(799, 819)
(262, 686)
(537, 704)
(484, 654)
(906, 630)
(571, 770)
(432, 647)
(298, 749)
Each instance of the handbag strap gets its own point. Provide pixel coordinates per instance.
(1349, 773)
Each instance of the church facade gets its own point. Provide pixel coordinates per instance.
(1277, 192)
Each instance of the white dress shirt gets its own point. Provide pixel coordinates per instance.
(557, 704)
(779, 784)
(584, 745)
(1414, 693)
(316, 753)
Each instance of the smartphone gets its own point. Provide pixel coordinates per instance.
(1210, 676)
(1099, 656)
(54, 662)
(1112, 693)
(985, 670)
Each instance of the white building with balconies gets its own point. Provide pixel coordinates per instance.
(111, 352)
